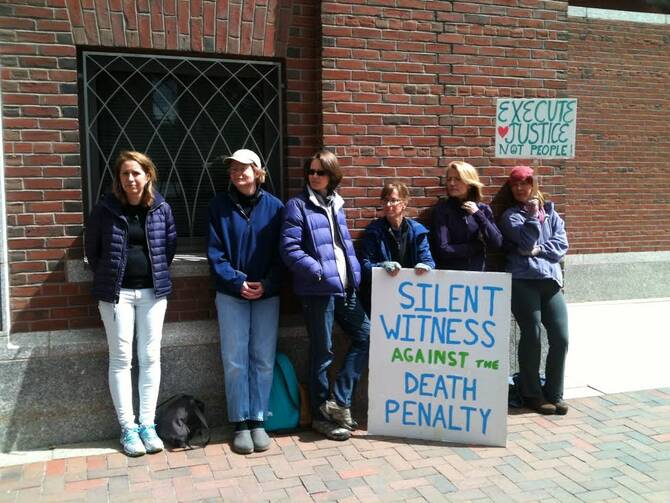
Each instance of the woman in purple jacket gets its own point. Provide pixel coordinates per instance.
(130, 243)
(317, 248)
(463, 227)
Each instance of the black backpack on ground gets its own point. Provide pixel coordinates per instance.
(179, 419)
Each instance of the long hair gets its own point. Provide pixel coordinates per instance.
(330, 165)
(468, 174)
(147, 166)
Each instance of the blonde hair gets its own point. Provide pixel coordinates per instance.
(149, 169)
(468, 174)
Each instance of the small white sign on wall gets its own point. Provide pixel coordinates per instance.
(439, 356)
(537, 128)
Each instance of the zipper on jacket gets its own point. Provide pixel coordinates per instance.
(336, 229)
(146, 236)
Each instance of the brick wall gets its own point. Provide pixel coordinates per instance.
(410, 85)
(399, 90)
(619, 184)
(41, 127)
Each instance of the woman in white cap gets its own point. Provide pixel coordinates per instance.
(244, 225)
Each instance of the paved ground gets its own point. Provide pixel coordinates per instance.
(608, 448)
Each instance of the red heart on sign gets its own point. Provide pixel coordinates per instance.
(502, 130)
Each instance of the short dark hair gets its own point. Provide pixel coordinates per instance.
(329, 164)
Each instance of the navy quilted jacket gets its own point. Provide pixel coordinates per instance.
(106, 246)
(307, 247)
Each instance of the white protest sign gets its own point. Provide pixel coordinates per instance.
(536, 128)
(439, 356)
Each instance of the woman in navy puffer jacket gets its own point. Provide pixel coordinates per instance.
(317, 248)
(130, 243)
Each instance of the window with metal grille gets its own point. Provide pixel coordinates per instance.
(187, 114)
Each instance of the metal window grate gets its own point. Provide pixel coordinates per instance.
(186, 113)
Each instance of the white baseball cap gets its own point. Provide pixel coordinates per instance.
(243, 156)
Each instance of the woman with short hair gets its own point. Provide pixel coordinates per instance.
(393, 241)
(317, 248)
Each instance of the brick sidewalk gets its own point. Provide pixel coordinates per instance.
(608, 448)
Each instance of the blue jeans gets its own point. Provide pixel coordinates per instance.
(137, 314)
(248, 332)
(319, 312)
(536, 302)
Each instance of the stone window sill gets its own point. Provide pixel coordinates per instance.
(194, 265)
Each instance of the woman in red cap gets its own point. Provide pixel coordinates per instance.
(536, 242)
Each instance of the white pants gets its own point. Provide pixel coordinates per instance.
(138, 311)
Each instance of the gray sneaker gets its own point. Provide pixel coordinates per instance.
(338, 414)
(331, 430)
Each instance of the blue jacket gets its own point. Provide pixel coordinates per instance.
(376, 248)
(377, 242)
(106, 246)
(242, 248)
(522, 234)
(307, 247)
(459, 239)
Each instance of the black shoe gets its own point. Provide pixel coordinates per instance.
(561, 408)
(539, 405)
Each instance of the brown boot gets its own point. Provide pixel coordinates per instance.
(539, 405)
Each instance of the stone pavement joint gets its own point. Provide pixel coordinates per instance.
(610, 447)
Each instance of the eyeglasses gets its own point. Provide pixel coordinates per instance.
(391, 202)
(317, 172)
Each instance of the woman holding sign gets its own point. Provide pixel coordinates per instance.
(463, 227)
(536, 242)
(316, 246)
(393, 241)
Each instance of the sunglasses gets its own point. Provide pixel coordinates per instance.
(317, 172)
(391, 202)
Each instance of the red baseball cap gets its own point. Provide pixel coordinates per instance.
(520, 173)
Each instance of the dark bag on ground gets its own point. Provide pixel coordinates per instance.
(179, 419)
(284, 405)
